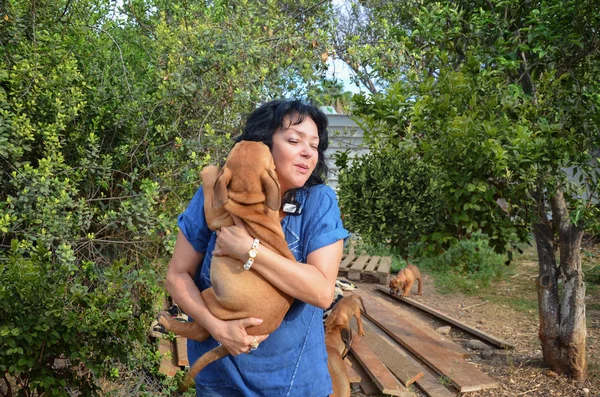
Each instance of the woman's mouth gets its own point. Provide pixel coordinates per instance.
(302, 168)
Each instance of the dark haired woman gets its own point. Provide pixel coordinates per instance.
(292, 361)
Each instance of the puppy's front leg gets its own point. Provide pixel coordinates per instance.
(407, 287)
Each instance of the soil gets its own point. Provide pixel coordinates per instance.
(508, 310)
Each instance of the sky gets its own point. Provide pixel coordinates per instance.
(339, 70)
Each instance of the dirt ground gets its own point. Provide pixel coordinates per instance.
(508, 310)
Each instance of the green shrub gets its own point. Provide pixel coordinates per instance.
(53, 308)
(468, 266)
(107, 114)
(389, 197)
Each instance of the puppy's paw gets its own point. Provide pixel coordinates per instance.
(164, 318)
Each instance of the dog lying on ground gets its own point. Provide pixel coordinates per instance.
(246, 187)
(337, 328)
(405, 280)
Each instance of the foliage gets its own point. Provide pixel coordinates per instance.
(467, 266)
(502, 97)
(492, 97)
(108, 111)
(89, 315)
(389, 197)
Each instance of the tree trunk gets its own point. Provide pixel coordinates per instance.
(572, 332)
(548, 299)
(562, 321)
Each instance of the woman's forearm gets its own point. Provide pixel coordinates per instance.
(313, 282)
(180, 284)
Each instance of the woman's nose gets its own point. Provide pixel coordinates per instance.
(307, 151)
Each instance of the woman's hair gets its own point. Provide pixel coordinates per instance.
(269, 117)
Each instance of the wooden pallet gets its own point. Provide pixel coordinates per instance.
(366, 268)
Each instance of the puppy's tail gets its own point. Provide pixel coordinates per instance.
(361, 301)
(207, 358)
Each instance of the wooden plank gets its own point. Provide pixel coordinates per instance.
(415, 322)
(347, 260)
(352, 375)
(429, 382)
(168, 365)
(406, 372)
(182, 358)
(381, 376)
(385, 265)
(372, 265)
(359, 264)
(366, 384)
(487, 337)
(462, 375)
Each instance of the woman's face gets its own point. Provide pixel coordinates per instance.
(295, 153)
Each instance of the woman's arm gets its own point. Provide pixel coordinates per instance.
(313, 282)
(180, 285)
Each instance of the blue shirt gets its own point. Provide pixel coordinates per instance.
(292, 361)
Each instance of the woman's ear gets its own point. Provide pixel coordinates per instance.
(270, 186)
(220, 188)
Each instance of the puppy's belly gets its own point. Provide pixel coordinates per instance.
(244, 292)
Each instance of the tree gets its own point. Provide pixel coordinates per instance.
(502, 97)
(108, 111)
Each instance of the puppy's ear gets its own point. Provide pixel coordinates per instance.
(220, 188)
(270, 186)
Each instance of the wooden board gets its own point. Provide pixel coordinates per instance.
(487, 337)
(181, 347)
(381, 376)
(168, 365)
(366, 384)
(359, 264)
(372, 265)
(352, 375)
(429, 383)
(415, 322)
(462, 375)
(406, 372)
(346, 261)
(385, 265)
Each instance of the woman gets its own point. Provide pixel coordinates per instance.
(292, 361)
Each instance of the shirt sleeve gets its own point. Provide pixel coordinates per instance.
(324, 226)
(192, 223)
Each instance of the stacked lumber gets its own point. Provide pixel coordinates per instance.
(397, 344)
(365, 268)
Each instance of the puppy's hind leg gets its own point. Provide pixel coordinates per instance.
(190, 330)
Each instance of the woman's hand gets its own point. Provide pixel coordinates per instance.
(234, 241)
(232, 334)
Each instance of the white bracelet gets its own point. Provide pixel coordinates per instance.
(252, 254)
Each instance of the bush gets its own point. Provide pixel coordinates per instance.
(467, 266)
(389, 197)
(53, 308)
(108, 111)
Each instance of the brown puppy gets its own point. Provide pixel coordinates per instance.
(405, 280)
(247, 187)
(337, 322)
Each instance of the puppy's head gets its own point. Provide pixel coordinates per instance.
(248, 177)
(394, 285)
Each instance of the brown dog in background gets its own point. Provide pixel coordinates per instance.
(336, 323)
(248, 188)
(405, 280)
